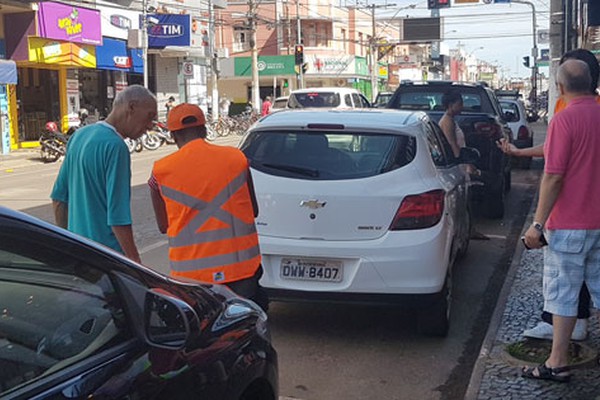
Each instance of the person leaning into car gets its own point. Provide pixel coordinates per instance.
(204, 201)
(543, 330)
(565, 213)
(92, 192)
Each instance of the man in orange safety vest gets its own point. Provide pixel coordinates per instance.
(204, 201)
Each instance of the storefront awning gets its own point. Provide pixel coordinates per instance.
(114, 55)
(8, 72)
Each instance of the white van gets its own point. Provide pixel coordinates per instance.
(328, 97)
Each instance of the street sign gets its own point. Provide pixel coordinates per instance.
(188, 69)
(543, 36)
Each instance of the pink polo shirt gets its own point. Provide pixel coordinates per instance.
(572, 150)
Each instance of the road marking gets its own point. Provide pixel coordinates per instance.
(153, 246)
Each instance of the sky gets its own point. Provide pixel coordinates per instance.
(500, 34)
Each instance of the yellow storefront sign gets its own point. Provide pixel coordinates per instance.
(49, 51)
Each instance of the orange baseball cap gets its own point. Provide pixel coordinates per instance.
(185, 115)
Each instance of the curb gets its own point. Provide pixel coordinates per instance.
(496, 320)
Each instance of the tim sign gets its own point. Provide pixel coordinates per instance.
(169, 30)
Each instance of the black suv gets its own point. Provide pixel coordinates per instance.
(483, 124)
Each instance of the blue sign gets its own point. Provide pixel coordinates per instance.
(168, 30)
(501, 1)
(115, 55)
(545, 55)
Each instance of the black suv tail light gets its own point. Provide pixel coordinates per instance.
(490, 130)
(419, 211)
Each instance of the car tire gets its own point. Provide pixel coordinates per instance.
(525, 163)
(493, 202)
(434, 320)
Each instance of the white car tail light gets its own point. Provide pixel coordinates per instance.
(419, 211)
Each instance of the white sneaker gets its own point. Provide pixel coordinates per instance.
(581, 330)
(543, 330)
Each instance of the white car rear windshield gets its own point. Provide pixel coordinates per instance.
(314, 99)
(327, 155)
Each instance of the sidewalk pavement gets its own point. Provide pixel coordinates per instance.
(20, 158)
(496, 375)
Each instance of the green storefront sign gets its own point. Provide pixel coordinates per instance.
(267, 66)
(361, 66)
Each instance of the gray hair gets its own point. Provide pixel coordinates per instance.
(133, 93)
(574, 76)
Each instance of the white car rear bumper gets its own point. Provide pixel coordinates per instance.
(401, 262)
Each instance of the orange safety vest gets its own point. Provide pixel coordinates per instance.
(212, 236)
(561, 104)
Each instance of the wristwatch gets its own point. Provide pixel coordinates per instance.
(538, 226)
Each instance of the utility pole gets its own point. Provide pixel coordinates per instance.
(255, 81)
(214, 62)
(299, 41)
(145, 40)
(557, 31)
(373, 61)
(534, 50)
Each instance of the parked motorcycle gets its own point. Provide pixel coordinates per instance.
(150, 140)
(53, 143)
(160, 128)
(134, 145)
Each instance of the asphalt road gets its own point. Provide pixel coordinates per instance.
(333, 352)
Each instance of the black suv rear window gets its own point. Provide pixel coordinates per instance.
(314, 99)
(428, 98)
(327, 155)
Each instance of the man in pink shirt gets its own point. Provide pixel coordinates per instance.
(266, 106)
(566, 213)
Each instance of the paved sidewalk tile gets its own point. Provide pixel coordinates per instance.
(501, 377)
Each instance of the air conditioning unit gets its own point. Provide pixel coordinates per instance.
(134, 39)
(222, 52)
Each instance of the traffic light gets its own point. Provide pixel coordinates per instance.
(299, 54)
(526, 61)
(285, 83)
(432, 4)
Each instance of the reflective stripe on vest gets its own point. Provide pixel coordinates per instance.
(189, 235)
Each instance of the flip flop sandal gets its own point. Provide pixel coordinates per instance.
(546, 373)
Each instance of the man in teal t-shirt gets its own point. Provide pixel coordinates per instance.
(92, 193)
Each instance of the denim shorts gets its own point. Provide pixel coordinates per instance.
(571, 257)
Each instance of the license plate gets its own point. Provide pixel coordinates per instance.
(306, 269)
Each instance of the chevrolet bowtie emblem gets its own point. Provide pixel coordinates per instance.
(313, 204)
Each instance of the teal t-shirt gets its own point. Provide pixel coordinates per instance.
(95, 181)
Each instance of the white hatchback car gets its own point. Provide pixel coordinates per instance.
(364, 206)
(328, 97)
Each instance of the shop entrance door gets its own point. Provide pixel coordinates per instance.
(38, 101)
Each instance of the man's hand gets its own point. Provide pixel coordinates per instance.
(507, 147)
(532, 238)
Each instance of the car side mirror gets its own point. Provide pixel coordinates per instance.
(468, 155)
(168, 320)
